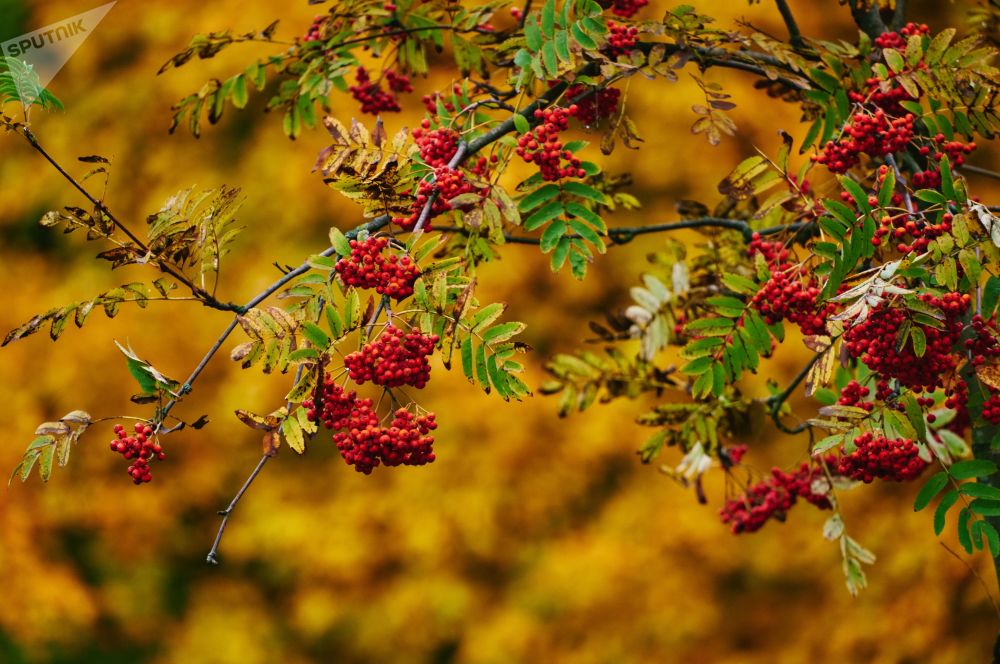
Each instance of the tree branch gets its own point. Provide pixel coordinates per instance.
(867, 18)
(625, 234)
(985, 172)
(794, 35)
(205, 297)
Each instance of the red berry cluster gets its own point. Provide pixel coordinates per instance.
(430, 101)
(142, 447)
(991, 408)
(542, 146)
(897, 40)
(930, 178)
(372, 97)
(437, 146)
(359, 438)
(787, 295)
(884, 96)
(367, 267)
(448, 183)
(731, 456)
(315, 32)
(874, 341)
(773, 497)
(394, 359)
(627, 8)
(621, 39)
(873, 134)
(884, 458)
(775, 253)
(594, 107)
(854, 394)
(983, 344)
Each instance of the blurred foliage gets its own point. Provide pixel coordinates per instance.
(529, 540)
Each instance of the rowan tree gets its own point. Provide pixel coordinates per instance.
(863, 241)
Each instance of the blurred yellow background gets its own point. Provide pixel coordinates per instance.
(530, 539)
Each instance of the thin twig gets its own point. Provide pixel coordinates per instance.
(226, 513)
(976, 574)
(794, 34)
(985, 172)
(775, 402)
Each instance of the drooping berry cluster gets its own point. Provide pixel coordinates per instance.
(368, 267)
(394, 359)
(991, 408)
(621, 39)
(875, 134)
(359, 438)
(142, 447)
(627, 8)
(788, 295)
(542, 146)
(897, 40)
(874, 341)
(773, 497)
(884, 458)
(373, 98)
(448, 183)
(595, 107)
(983, 346)
(437, 146)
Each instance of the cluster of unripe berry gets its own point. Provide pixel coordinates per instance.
(874, 341)
(368, 267)
(773, 497)
(895, 459)
(621, 39)
(394, 359)
(876, 134)
(542, 146)
(595, 107)
(373, 98)
(627, 8)
(362, 442)
(142, 447)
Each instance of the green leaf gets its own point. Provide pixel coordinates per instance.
(481, 369)
(699, 366)
(965, 470)
(316, 335)
(340, 242)
(502, 332)
(522, 126)
(549, 19)
(979, 490)
(532, 33)
(240, 95)
(466, 351)
(551, 236)
(947, 500)
(933, 487)
(991, 537)
(963, 529)
(857, 193)
(584, 191)
(739, 284)
(544, 215)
